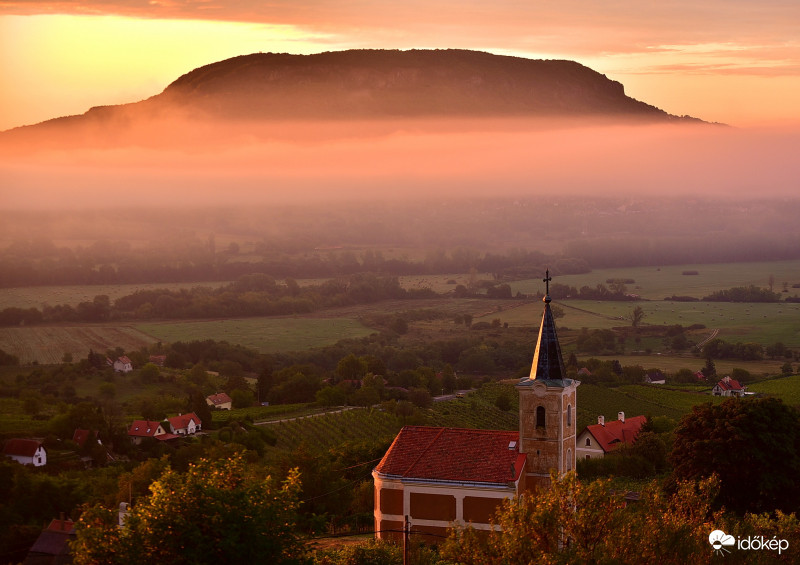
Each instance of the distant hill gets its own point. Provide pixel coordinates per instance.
(356, 85)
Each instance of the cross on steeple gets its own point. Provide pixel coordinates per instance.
(546, 280)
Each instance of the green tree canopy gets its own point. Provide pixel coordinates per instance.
(213, 512)
(753, 445)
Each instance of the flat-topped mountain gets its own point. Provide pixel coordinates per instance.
(374, 83)
(357, 85)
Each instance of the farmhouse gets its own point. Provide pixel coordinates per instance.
(184, 424)
(141, 429)
(220, 401)
(123, 365)
(597, 440)
(437, 476)
(26, 451)
(728, 387)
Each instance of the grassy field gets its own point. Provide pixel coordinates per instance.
(47, 344)
(656, 283)
(36, 296)
(786, 388)
(266, 335)
(761, 323)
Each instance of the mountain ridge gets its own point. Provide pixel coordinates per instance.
(365, 85)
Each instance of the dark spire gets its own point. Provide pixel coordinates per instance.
(548, 363)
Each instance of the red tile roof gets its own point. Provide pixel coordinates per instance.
(182, 421)
(615, 433)
(730, 384)
(219, 398)
(143, 428)
(80, 436)
(21, 447)
(453, 454)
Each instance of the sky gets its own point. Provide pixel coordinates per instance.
(730, 61)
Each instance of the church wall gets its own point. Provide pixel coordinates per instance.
(433, 506)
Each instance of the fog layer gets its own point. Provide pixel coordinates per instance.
(210, 164)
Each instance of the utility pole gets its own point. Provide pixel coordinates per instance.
(405, 541)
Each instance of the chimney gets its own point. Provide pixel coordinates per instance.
(601, 420)
(621, 417)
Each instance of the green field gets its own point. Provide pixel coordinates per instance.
(785, 388)
(761, 323)
(267, 335)
(36, 296)
(656, 283)
(48, 344)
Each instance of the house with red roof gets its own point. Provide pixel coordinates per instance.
(441, 475)
(728, 387)
(52, 545)
(435, 477)
(26, 451)
(141, 429)
(184, 424)
(597, 440)
(220, 401)
(123, 365)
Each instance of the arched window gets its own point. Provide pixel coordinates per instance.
(569, 460)
(569, 415)
(588, 442)
(540, 416)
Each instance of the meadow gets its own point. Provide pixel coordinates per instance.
(266, 335)
(48, 344)
(37, 296)
(656, 283)
(764, 323)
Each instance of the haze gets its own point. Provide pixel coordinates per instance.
(297, 162)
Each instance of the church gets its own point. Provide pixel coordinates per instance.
(438, 476)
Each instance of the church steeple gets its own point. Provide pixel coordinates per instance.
(548, 364)
(547, 407)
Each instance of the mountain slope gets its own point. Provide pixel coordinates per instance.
(346, 86)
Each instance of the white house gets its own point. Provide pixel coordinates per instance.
(26, 451)
(185, 424)
(123, 365)
(728, 387)
(220, 401)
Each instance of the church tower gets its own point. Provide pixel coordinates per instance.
(547, 407)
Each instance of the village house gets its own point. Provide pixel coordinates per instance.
(655, 378)
(123, 365)
(141, 429)
(220, 401)
(52, 545)
(439, 476)
(184, 424)
(728, 387)
(158, 360)
(26, 451)
(598, 440)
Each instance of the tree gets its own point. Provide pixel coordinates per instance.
(149, 373)
(636, 316)
(752, 444)
(351, 368)
(217, 509)
(586, 522)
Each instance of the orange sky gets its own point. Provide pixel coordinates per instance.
(731, 61)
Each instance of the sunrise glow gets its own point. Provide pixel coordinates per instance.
(730, 63)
